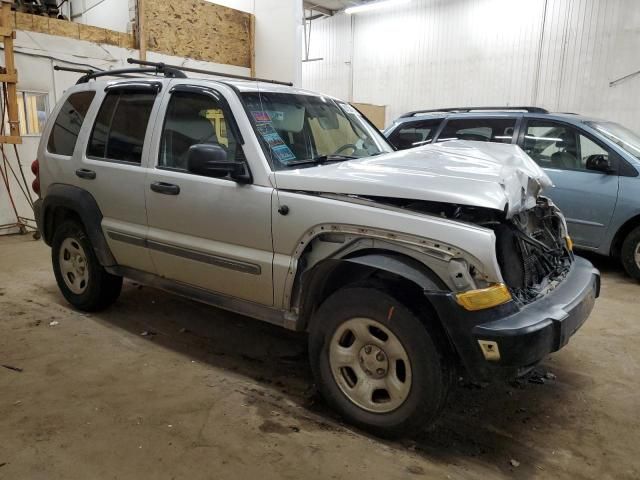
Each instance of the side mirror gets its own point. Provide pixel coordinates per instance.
(210, 160)
(599, 163)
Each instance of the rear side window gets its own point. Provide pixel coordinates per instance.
(414, 134)
(66, 128)
(120, 127)
(479, 129)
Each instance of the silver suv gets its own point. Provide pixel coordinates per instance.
(290, 207)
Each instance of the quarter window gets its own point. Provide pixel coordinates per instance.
(193, 118)
(120, 127)
(479, 129)
(414, 134)
(554, 145)
(66, 128)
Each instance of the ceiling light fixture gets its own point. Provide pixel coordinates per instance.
(374, 6)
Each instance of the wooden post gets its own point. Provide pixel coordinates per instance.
(252, 44)
(9, 76)
(142, 34)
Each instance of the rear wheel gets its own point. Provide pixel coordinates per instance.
(376, 363)
(82, 280)
(630, 254)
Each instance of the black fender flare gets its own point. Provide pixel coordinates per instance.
(313, 282)
(401, 265)
(85, 206)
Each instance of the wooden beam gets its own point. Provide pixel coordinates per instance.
(10, 71)
(252, 45)
(142, 31)
(10, 139)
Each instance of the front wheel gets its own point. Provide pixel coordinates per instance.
(82, 280)
(376, 363)
(630, 254)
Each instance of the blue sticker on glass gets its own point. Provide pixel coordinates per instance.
(283, 153)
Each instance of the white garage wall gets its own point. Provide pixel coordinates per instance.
(559, 54)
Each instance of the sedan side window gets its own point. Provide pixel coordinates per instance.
(414, 134)
(479, 129)
(191, 119)
(559, 146)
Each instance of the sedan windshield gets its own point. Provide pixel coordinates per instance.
(306, 130)
(621, 136)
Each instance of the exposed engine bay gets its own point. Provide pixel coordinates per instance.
(531, 247)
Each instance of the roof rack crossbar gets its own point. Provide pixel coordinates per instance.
(206, 72)
(476, 109)
(90, 74)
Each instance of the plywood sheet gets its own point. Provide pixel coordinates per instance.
(93, 34)
(375, 113)
(64, 28)
(200, 30)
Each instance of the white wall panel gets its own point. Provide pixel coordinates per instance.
(559, 54)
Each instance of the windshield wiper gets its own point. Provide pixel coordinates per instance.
(322, 159)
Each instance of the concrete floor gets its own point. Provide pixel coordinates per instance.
(216, 395)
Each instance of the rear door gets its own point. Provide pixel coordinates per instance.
(113, 166)
(213, 233)
(586, 197)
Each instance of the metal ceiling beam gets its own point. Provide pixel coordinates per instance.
(317, 8)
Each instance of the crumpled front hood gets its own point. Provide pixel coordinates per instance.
(482, 174)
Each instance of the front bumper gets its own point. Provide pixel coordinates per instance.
(520, 336)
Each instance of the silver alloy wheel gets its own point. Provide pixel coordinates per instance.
(73, 265)
(636, 255)
(370, 365)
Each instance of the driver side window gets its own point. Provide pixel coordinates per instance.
(559, 146)
(192, 119)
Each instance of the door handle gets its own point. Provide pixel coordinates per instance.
(85, 173)
(165, 188)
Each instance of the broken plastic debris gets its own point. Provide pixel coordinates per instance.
(514, 463)
(54, 323)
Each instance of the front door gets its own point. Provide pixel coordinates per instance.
(586, 197)
(213, 233)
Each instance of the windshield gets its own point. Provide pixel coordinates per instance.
(306, 130)
(621, 136)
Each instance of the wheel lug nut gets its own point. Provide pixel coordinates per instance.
(380, 371)
(367, 349)
(380, 356)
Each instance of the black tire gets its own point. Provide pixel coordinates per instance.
(101, 289)
(627, 255)
(431, 367)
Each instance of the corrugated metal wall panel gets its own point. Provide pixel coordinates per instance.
(559, 54)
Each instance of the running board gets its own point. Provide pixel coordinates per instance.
(274, 316)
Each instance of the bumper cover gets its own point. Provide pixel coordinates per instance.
(524, 335)
(37, 211)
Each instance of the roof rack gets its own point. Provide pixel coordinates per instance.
(476, 109)
(157, 68)
(90, 74)
(206, 72)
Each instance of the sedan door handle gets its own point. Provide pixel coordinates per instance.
(85, 173)
(165, 188)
